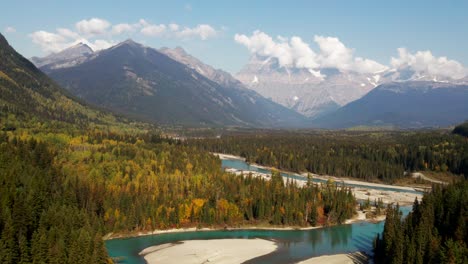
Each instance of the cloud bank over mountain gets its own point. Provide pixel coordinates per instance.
(294, 52)
(101, 34)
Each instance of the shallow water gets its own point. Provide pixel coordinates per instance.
(294, 245)
(242, 165)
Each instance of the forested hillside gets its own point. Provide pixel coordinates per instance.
(435, 232)
(28, 96)
(383, 156)
(461, 129)
(70, 174)
(61, 192)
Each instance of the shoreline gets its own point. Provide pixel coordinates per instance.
(350, 258)
(232, 250)
(365, 190)
(221, 251)
(361, 193)
(317, 176)
(359, 217)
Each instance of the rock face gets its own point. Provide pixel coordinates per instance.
(315, 93)
(173, 89)
(413, 104)
(69, 57)
(29, 94)
(305, 91)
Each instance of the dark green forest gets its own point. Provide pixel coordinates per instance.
(371, 156)
(435, 232)
(71, 174)
(61, 193)
(461, 129)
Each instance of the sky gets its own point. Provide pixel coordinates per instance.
(365, 36)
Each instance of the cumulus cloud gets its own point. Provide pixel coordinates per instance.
(100, 44)
(93, 26)
(67, 33)
(10, 30)
(174, 27)
(264, 45)
(49, 42)
(202, 31)
(99, 33)
(153, 30)
(64, 38)
(424, 63)
(122, 28)
(294, 52)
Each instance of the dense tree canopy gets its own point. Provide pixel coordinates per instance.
(62, 191)
(435, 232)
(461, 129)
(383, 156)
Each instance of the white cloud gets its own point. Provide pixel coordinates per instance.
(294, 52)
(153, 30)
(173, 27)
(264, 45)
(93, 26)
(333, 53)
(67, 33)
(49, 42)
(122, 28)
(304, 56)
(10, 30)
(100, 44)
(423, 62)
(202, 31)
(64, 38)
(92, 31)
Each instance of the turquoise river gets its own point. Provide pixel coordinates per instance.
(294, 245)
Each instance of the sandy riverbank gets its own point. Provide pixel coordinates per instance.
(361, 193)
(351, 258)
(227, 156)
(359, 217)
(387, 196)
(221, 251)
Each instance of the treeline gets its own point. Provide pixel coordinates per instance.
(40, 219)
(435, 232)
(60, 192)
(369, 156)
(461, 129)
(148, 182)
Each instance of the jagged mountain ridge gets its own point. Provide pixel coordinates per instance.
(130, 78)
(413, 104)
(68, 57)
(301, 89)
(313, 94)
(30, 95)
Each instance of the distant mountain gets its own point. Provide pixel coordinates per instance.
(143, 82)
(303, 90)
(69, 57)
(316, 93)
(219, 76)
(28, 95)
(413, 104)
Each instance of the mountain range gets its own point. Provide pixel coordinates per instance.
(315, 93)
(167, 87)
(29, 95)
(170, 86)
(413, 104)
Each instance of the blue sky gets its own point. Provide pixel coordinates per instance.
(373, 30)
